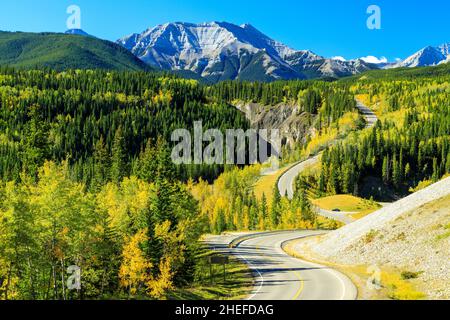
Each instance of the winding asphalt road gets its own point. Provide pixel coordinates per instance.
(370, 117)
(279, 276)
(287, 180)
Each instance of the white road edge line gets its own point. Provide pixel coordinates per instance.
(261, 283)
(279, 248)
(253, 268)
(325, 268)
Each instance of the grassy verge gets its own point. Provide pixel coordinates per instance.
(348, 203)
(393, 283)
(238, 282)
(266, 184)
(328, 224)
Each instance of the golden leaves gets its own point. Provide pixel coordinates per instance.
(134, 270)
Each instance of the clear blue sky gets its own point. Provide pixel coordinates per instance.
(328, 27)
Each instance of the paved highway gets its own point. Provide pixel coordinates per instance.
(369, 115)
(279, 276)
(287, 180)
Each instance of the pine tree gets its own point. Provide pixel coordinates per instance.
(302, 202)
(101, 164)
(275, 210)
(118, 158)
(321, 183)
(36, 145)
(253, 216)
(386, 170)
(147, 167)
(436, 172)
(165, 166)
(220, 222)
(407, 171)
(396, 172)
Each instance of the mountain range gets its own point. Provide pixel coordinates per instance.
(210, 52)
(220, 51)
(429, 56)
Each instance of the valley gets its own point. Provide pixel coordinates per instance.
(88, 177)
(420, 225)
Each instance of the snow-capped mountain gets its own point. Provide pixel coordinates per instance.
(222, 51)
(445, 49)
(446, 60)
(78, 32)
(428, 56)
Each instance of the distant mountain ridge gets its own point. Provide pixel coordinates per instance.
(79, 32)
(223, 51)
(428, 56)
(209, 52)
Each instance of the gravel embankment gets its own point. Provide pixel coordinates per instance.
(406, 235)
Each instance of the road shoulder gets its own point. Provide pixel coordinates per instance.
(364, 277)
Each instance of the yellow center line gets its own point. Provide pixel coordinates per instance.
(302, 286)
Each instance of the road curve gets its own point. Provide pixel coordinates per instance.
(279, 276)
(369, 115)
(286, 188)
(341, 216)
(287, 180)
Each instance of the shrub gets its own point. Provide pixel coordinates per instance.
(406, 275)
(371, 236)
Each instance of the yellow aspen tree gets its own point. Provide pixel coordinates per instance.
(134, 270)
(158, 287)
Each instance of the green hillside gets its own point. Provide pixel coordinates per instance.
(436, 71)
(63, 51)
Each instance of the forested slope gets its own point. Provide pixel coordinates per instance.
(99, 121)
(87, 180)
(409, 147)
(230, 203)
(63, 52)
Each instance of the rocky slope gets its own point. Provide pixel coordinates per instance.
(294, 125)
(412, 234)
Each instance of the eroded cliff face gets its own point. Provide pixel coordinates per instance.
(294, 125)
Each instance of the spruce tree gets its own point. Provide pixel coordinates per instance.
(101, 164)
(275, 210)
(118, 157)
